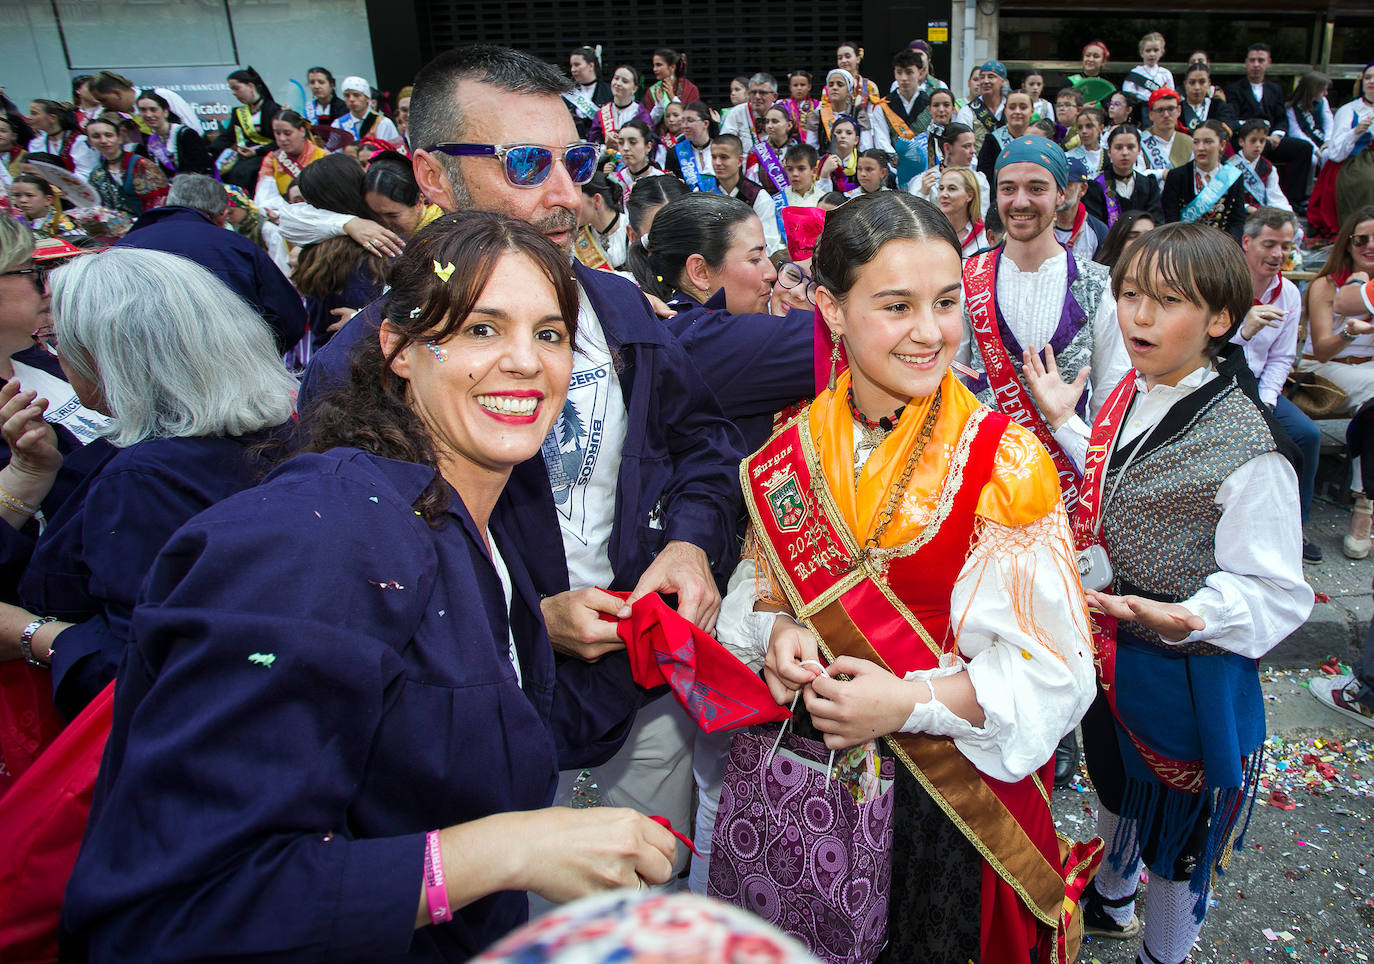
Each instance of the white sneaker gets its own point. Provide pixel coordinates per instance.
(1338, 693)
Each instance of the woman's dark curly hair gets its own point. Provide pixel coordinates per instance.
(373, 410)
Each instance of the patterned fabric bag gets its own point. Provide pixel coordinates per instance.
(793, 846)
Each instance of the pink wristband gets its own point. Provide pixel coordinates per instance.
(436, 893)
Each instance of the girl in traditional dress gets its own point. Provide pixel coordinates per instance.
(126, 182)
(1348, 146)
(14, 138)
(57, 134)
(1122, 185)
(958, 635)
(764, 163)
(296, 149)
(957, 197)
(800, 104)
(324, 105)
(1205, 189)
(670, 85)
(175, 143)
(35, 198)
(602, 241)
(248, 220)
(841, 164)
(848, 57)
(1118, 111)
(620, 110)
(637, 153)
(247, 135)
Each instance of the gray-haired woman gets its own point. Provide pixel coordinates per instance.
(191, 376)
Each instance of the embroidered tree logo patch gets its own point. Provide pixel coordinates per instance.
(784, 496)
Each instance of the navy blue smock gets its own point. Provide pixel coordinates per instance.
(679, 469)
(360, 287)
(755, 364)
(317, 677)
(233, 258)
(16, 545)
(87, 566)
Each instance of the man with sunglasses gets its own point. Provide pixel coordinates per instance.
(639, 476)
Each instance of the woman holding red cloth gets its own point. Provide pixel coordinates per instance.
(916, 541)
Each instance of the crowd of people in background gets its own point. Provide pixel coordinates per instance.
(329, 488)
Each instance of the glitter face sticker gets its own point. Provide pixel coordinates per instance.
(440, 355)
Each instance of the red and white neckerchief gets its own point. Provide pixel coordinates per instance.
(1278, 289)
(1080, 218)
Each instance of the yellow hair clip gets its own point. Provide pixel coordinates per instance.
(444, 272)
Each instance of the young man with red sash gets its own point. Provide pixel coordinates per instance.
(1190, 524)
(1031, 294)
(924, 554)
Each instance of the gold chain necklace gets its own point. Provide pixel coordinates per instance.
(817, 532)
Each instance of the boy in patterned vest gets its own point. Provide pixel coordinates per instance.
(1189, 534)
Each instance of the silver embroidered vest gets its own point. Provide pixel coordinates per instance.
(1160, 524)
(1093, 281)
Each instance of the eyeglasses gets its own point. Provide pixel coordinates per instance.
(1361, 240)
(1163, 109)
(37, 275)
(46, 339)
(528, 165)
(790, 275)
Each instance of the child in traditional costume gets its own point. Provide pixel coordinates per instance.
(924, 553)
(1187, 491)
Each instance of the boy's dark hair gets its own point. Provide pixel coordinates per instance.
(1073, 94)
(952, 132)
(1197, 261)
(908, 58)
(1250, 127)
(802, 152)
(731, 141)
(1261, 45)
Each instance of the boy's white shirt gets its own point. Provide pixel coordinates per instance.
(1258, 596)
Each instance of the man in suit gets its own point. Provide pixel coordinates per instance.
(1255, 98)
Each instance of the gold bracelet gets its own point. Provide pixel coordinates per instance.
(17, 504)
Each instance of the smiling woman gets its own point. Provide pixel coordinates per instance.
(427, 631)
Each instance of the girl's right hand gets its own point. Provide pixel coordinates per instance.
(790, 645)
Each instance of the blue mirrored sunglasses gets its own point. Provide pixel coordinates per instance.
(528, 165)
